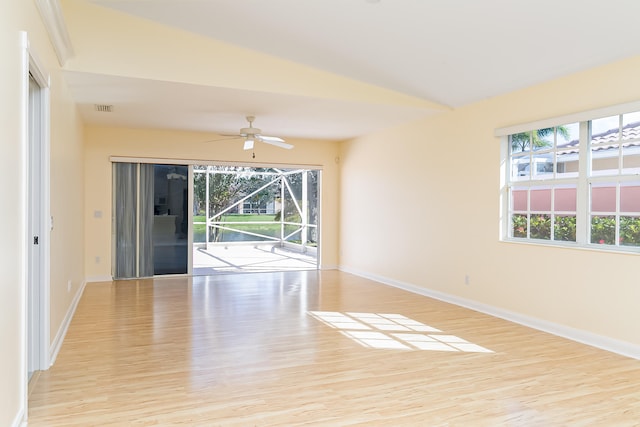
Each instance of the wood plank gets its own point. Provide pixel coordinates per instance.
(245, 350)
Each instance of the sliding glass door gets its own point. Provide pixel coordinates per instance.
(208, 219)
(170, 219)
(150, 219)
(248, 219)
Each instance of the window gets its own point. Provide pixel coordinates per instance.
(576, 183)
(543, 183)
(614, 182)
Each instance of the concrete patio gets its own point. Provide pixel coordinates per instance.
(249, 258)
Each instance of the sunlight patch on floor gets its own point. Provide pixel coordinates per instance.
(394, 331)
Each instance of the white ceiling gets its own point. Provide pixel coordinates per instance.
(141, 103)
(452, 52)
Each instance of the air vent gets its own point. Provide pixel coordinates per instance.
(102, 108)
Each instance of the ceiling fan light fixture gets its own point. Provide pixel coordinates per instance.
(248, 144)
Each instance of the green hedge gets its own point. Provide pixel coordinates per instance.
(540, 227)
(565, 228)
(603, 229)
(519, 225)
(630, 231)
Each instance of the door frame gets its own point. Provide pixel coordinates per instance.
(204, 162)
(37, 298)
(282, 171)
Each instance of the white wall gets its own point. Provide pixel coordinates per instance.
(12, 229)
(66, 198)
(420, 207)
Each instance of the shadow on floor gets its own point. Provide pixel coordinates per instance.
(249, 259)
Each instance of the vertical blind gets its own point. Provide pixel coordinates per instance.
(150, 219)
(133, 201)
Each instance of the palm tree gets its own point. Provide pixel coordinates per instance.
(536, 138)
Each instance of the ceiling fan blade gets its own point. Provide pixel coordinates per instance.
(270, 138)
(277, 142)
(248, 144)
(229, 137)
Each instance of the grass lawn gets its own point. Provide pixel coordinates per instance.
(272, 230)
(239, 218)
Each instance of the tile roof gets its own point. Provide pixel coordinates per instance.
(630, 132)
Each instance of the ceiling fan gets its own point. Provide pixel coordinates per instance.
(251, 134)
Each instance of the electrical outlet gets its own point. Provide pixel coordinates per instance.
(97, 260)
(69, 286)
(466, 279)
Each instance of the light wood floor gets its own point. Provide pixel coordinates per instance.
(278, 349)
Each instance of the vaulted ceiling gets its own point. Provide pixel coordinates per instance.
(327, 69)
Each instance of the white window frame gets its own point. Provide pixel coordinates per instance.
(583, 181)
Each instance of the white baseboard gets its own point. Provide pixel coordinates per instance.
(62, 332)
(623, 348)
(92, 279)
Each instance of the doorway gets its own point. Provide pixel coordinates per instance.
(205, 219)
(38, 226)
(248, 219)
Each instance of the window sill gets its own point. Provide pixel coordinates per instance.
(632, 250)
